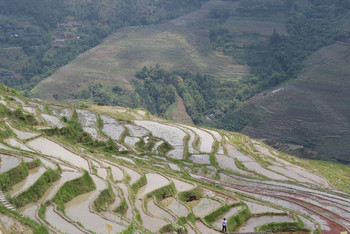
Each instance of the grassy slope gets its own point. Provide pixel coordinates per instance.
(182, 43)
(312, 110)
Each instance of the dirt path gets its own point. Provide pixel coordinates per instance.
(180, 114)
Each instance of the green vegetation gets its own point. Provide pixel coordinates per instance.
(72, 189)
(37, 228)
(164, 192)
(220, 211)
(104, 199)
(213, 161)
(191, 195)
(37, 190)
(169, 228)
(30, 31)
(74, 133)
(283, 227)
(24, 118)
(122, 208)
(13, 176)
(138, 184)
(237, 220)
(33, 164)
(164, 148)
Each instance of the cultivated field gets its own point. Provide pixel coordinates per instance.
(311, 111)
(156, 184)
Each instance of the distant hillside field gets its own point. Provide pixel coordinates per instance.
(312, 110)
(181, 44)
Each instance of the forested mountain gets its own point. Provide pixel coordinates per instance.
(204, 65)
(210, 61)
(39, 36)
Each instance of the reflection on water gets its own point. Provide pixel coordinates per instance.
(29, 181)
(59, 223)
(8, 162)
(78, 209)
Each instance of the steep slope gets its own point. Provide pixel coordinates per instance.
(181, 44)
(311, 111)
(76, 170)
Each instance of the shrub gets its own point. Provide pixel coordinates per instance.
(194, 194)
(72, 189)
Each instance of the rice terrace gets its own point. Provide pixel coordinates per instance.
(186, 116)
(72, 170)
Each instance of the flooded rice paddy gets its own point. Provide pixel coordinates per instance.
(154, 181)
(205, 206)
(254, 222)
(8, 162)
(34, 174)
(53, 149)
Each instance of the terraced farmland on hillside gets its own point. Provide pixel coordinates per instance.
(309, 114)
(172, 176)
(180, 44)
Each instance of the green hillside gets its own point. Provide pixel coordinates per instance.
(212, 60)
(39, 36)
(310, 111)
(79, 170)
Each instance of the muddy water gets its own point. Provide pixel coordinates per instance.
(205, 229)
(29, 181)
(53, 149)
(177, 208)
(256, 208)
(111, 127)
(30, 211)
(133, 174)
(190, 229)
(136, 131)
(101, 172)
(231, 212)
(14, 143)
(173, 135)
(2, 146)
(227, 162)
(206, 206)
(78, 210)
(290, 174)
(124, 188)
(65, 176)
(52, 120)
(254, 166)
(154, 181)
(21, 134)
(8, 162)
(182, 186)
(117, 174)
(218, 137)
(174, 167)
(258, 221)
(192, 136)
(151, 223)
(48, 163)
(27, 159)
(159, 212)
(200, 158)
(206, 140)
(59, 223)
(131, 141)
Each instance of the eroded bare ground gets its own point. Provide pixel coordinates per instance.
(247, 171)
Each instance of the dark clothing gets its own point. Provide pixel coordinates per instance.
(224, 228)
